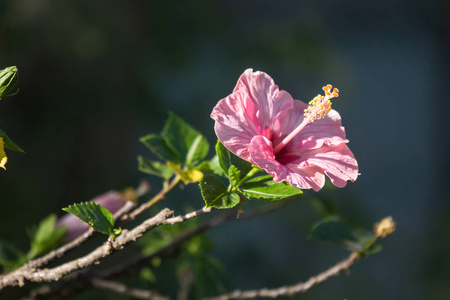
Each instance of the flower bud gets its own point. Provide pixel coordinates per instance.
(3, 158)
(111, 200)
(8, 78)
(384, 228)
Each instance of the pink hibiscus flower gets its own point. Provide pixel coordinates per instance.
(291, 140)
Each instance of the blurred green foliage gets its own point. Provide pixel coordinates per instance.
(95, 77)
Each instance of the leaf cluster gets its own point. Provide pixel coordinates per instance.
(8, 79)
(225, 180)
(180, 146)
(241, 183)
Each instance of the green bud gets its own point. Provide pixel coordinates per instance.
(8, 78)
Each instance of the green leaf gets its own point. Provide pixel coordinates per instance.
(46, 237)
(211, 188)
(324, 206)
(154, 168)
(226, 159)
(95, 215)
(211, 166)
(264, 188)
(9, 255)
(9, 143)
(184, 140)
(216, 194)
(234, 175)
(157, 145)
(337, 233)
(364, 237)
(197, 151)
(147, 275)
(8, 78)
(210, 277)
(227, 200)
(375, 248)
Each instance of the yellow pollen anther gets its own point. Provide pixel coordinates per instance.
(320, 106)
(317, 109)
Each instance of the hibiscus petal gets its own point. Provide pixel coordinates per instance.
(338, 163)
(307, 177)
(272, 103)
(302, 177)
(326, 131)
(256, 107)
(236, 123)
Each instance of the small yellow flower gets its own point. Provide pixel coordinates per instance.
(189, 176)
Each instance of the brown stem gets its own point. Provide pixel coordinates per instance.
(125, 290)
(66, 248)
(78, 282)
(183, 218)
(292, 290)
(20, 276)
(157, 198)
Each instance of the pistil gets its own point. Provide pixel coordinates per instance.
(318, 108)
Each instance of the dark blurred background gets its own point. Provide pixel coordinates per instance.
(95, 76)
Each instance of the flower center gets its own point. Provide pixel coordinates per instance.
(317, 109)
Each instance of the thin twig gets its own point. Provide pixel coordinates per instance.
(185, 281)
(66, 248)
(77, 282)
(183, 218)
(292, 289)
(55, 274)
(139, 261)
(157, 198)
(141, 190)
(125, 290)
